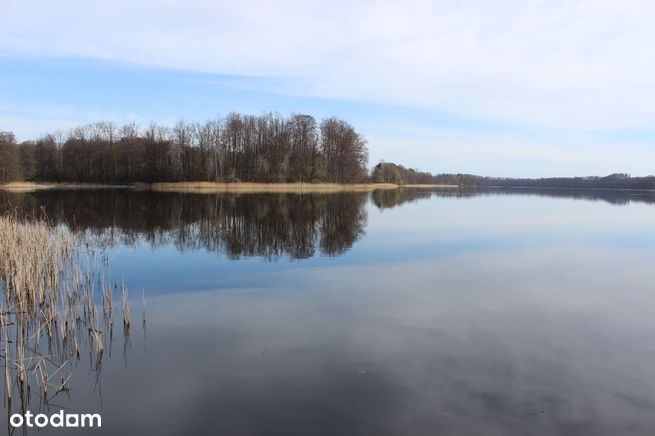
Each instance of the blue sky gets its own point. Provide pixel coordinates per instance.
(517, 88)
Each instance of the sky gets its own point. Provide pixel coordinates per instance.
(501, 88)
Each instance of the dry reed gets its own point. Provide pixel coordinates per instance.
(49, 277)
(246, 187)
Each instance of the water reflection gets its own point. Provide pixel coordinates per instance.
(264, 225)
(391, 198)
(460, 312)
(612, 196)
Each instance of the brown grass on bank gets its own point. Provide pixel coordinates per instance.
(428, 186)
(31, 186)
(48, 279)
(218, 187)
(210, 187)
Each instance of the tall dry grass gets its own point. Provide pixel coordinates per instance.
(49, 281)
(247, 187)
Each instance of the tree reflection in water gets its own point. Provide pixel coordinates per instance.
(244, 225)
(264, 225)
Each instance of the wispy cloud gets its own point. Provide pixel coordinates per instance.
(517, 87)
(576, 63)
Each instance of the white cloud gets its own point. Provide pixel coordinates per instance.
(578, 63)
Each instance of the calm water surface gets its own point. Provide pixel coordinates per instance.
(414, 312)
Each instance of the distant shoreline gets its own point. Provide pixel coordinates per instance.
(567, 188)
(250, 187)
(211, 187)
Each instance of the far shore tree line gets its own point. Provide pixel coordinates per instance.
(387, 172)
(612, 181)
(393, 173)
(267, 148)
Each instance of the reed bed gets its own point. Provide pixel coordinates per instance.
(54, 301)
(31, 186)
(247, 187)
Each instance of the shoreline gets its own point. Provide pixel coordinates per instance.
(246, 187)
(217, 187)
(569, 188)
(32, 186)
(252, 187)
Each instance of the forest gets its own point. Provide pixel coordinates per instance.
(265, 148)
(387, 172)
(612, 181)
(238, 148)
(394, 173)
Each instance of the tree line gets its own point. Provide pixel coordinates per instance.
(387, 172)
(612, 181)
(265, 148)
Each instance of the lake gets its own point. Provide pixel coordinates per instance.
(414, 312)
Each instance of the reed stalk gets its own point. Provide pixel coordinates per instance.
(49, 277)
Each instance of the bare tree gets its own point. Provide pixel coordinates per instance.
(262, 148)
